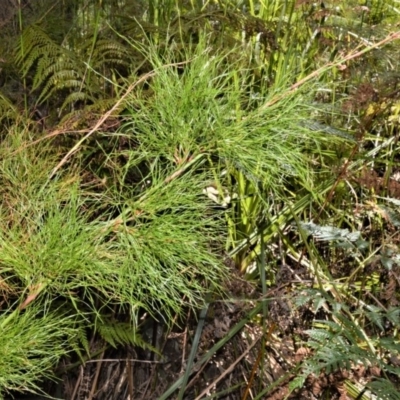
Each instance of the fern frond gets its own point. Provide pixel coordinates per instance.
(77, 117)
(33, 45)
(393, 315)
(7, 109)
(333, 352)
(80, 341)
(73, 98)
(384, 389)
(375, 315)
(342, 238)
(58, 68)
(110, 52)
(393, 216)
(49, 67)
(329, 360)
(61, 80)
(318, 337)
(102, 105)
(351, 329)
(328, 233)
(121, 333)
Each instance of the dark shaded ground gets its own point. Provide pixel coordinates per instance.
(239, 366)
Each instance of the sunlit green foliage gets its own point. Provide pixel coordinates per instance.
(256, 131)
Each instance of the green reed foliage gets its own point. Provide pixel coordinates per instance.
(203, 115)
(157, 254)
(31, 343)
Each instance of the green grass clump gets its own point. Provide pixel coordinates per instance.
(58, 256)
(32, 342)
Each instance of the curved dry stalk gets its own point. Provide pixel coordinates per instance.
(229, 370)
(109, 112)
(351, 56)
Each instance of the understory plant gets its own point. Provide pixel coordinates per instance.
(190, 136)
(32, 343)
(354, 329)
(59, 257)
(143, 235)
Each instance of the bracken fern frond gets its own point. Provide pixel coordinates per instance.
(121, 333)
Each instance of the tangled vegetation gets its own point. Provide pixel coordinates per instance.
(209, 188)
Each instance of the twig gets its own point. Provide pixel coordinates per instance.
(256, 364)
(229, 370)
(78, 382)
(130, 378)
(126, 359)
(96, 378)
(350, 56)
